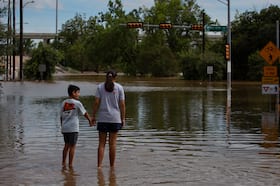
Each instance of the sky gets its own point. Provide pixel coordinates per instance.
(40, 16)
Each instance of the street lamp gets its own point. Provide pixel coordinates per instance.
(14, 39)
(21, 6)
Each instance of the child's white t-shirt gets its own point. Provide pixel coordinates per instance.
(70, 111)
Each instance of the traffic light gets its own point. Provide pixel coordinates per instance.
(197, 27)
(135, 24)
(165, 25)
(227, 52)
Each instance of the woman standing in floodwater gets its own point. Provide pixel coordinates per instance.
(109, 106)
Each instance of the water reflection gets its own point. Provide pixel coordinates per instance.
(270, 129)
(175, 110)
(69, 176)
(102, 180)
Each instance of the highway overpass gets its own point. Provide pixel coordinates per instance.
(46, 37)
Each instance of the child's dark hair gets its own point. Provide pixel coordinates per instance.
(109, 84)
(72, 88)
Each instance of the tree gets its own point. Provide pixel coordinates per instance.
(251, 31)
(176, 13)
(177, 41)
(73, 32)
(256, 64)
(112, 45)
(28, 45)
(102, 42)
(43, 55)
(76, 57)
(155, 57)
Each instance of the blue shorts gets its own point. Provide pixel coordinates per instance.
(108, 127)
(71, 138)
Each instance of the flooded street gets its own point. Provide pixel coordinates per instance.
(176, 133)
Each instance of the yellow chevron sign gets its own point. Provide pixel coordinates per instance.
(270, 80)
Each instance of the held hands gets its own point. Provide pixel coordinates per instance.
(123, 123)
(92, 122)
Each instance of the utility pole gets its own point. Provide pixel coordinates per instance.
(277, 96)
(203, 32)
(14, 39)
(277, 33)
(229, 61)
(9, 41)
(56, 23)
(21, 41)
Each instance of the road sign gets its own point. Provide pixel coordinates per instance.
(270, 53)
(42, 68)
(216, 28)
(270, 80)
(209, 69)
(270, 71)
(270, 89)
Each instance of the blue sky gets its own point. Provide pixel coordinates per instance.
(40, 16)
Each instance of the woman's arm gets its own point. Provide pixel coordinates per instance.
(122, 109)
(95, 109)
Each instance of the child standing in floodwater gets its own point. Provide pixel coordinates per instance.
(69, 117)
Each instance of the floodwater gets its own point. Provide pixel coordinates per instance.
(177, 133)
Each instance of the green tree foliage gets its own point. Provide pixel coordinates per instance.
(194, 65)
(160, 47)
(73, 33)
(155, 57)
(217, 61)
(176, 13)
(28, 46)
(43, 55)
(190, 65)
(113, 45)
(256, 64)
(251, 31)
(101, 42)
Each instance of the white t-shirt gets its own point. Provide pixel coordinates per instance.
(109, 110)
(70, 111)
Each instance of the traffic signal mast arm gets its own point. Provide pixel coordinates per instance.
(141, 25)
(198, 27)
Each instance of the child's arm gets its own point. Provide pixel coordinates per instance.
(88, 118)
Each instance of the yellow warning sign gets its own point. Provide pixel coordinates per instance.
(270, 71)
(270, 53)
(270, 80)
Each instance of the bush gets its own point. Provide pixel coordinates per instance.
(43, 55)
